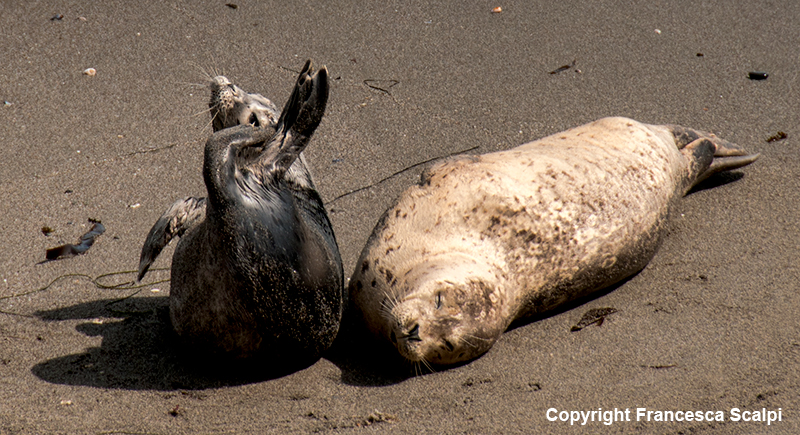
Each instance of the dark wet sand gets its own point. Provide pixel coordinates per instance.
(710, 325)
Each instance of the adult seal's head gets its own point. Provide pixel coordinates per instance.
(485, 240)
(257, 270)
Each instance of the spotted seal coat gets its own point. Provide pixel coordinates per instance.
(485, 240)
(257, 269)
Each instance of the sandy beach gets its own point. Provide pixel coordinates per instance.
(710, 326)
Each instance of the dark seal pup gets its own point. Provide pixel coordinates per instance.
(485, 240)
(257, 270)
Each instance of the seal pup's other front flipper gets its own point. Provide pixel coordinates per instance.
(182, 215)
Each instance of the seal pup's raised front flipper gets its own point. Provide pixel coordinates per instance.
(300, 118)
(182, 215)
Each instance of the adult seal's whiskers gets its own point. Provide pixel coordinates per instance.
(485, 240)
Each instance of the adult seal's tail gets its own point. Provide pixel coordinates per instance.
(257, 270)
(486, 240)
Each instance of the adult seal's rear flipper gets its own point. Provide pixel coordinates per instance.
(182, 215)
(708, 154)
(300, 118)
(725, 162)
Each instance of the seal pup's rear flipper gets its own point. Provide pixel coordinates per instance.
(182, 215)
(300, 118)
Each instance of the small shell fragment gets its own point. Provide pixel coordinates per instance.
(66, 402)
(658, 31)
(497, 10)
(90, 72)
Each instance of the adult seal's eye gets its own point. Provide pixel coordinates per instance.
(508, 235)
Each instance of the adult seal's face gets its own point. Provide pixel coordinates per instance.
(440, 324)
(449, 311)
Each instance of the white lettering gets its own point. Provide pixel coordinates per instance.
(773, 416)
(610, 416)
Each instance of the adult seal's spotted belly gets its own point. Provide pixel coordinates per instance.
(485, 240)
(257, 270)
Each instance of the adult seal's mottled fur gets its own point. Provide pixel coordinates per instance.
(257, 269)
(485, 240)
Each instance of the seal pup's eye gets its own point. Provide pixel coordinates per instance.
(254, 120)
(438, 300)
(449, 345)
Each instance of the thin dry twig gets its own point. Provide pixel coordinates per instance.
(360, 189)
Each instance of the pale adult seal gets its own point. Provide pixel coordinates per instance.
(485, 240)
(257, 269)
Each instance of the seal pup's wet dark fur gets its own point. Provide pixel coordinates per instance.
(257, 270)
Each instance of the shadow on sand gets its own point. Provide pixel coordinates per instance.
(716, 180)
(140, 351)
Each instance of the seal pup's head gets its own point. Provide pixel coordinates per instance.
(231, 106)
(447, 311)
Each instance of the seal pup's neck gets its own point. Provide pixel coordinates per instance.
(245, 164)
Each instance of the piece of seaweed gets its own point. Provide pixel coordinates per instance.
(595, 315)
(70, 250)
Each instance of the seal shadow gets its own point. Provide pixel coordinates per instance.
(365, 361)
(569, 306)
(716, 180)
(140, 351)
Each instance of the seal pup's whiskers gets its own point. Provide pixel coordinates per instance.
(257, 270)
